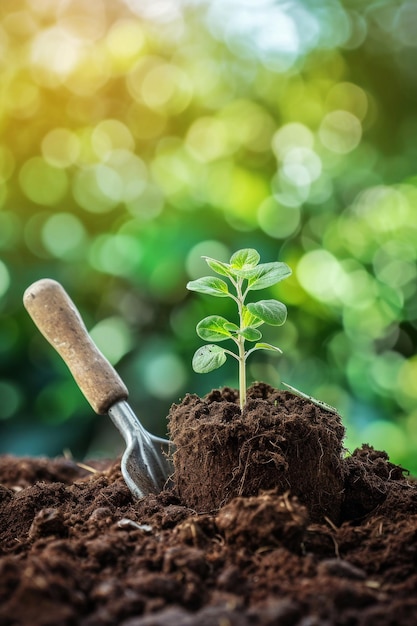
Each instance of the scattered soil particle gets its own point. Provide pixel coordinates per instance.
(77, 550)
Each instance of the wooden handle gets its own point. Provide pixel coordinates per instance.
(59, 321)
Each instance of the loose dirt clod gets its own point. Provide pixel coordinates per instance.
(268, 520)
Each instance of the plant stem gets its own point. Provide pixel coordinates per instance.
(242, 373)
(241, 346)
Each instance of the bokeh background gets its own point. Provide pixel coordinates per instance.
(138, 135)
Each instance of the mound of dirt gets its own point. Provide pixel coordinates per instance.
(279, 441)
(77, 550)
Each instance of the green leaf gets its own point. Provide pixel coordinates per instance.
(213, 328)
(269, 311)
(244, 259)
(232, 327)
(251, 334)
(209, 285)
(208, 358)
(267, 274)
(267, 346)
(217, 266)
(249, 319)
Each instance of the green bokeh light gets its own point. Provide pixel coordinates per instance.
(4, 278)
(137, 139)
(11, 399)
(113, 337)
(63, 234)
(43, 183)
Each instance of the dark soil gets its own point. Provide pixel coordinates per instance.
(76, 549)
(277, 442)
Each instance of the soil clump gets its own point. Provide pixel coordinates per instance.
(279, 441)
(77, 550)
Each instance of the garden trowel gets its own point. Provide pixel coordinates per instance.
(145, 465)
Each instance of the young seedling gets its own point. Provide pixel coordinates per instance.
(245, 274)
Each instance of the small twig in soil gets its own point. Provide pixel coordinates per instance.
(93, 470)
(319, 403)
(329, 521)
(68, 455)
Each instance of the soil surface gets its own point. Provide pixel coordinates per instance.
(77, 549)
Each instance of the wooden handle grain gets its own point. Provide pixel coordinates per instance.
(59, 321)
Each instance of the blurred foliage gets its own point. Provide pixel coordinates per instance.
(137, 136)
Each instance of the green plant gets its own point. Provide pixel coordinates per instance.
(246, 274)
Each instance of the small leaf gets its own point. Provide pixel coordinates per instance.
(249, 319)
(267, 274)
(251, 334)
(217, 266)
(209, 285)
(267, 346)
(244, 259)
(269, 311)
(208, 358)
(213, 328)
(232, 327)
(262, 346)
